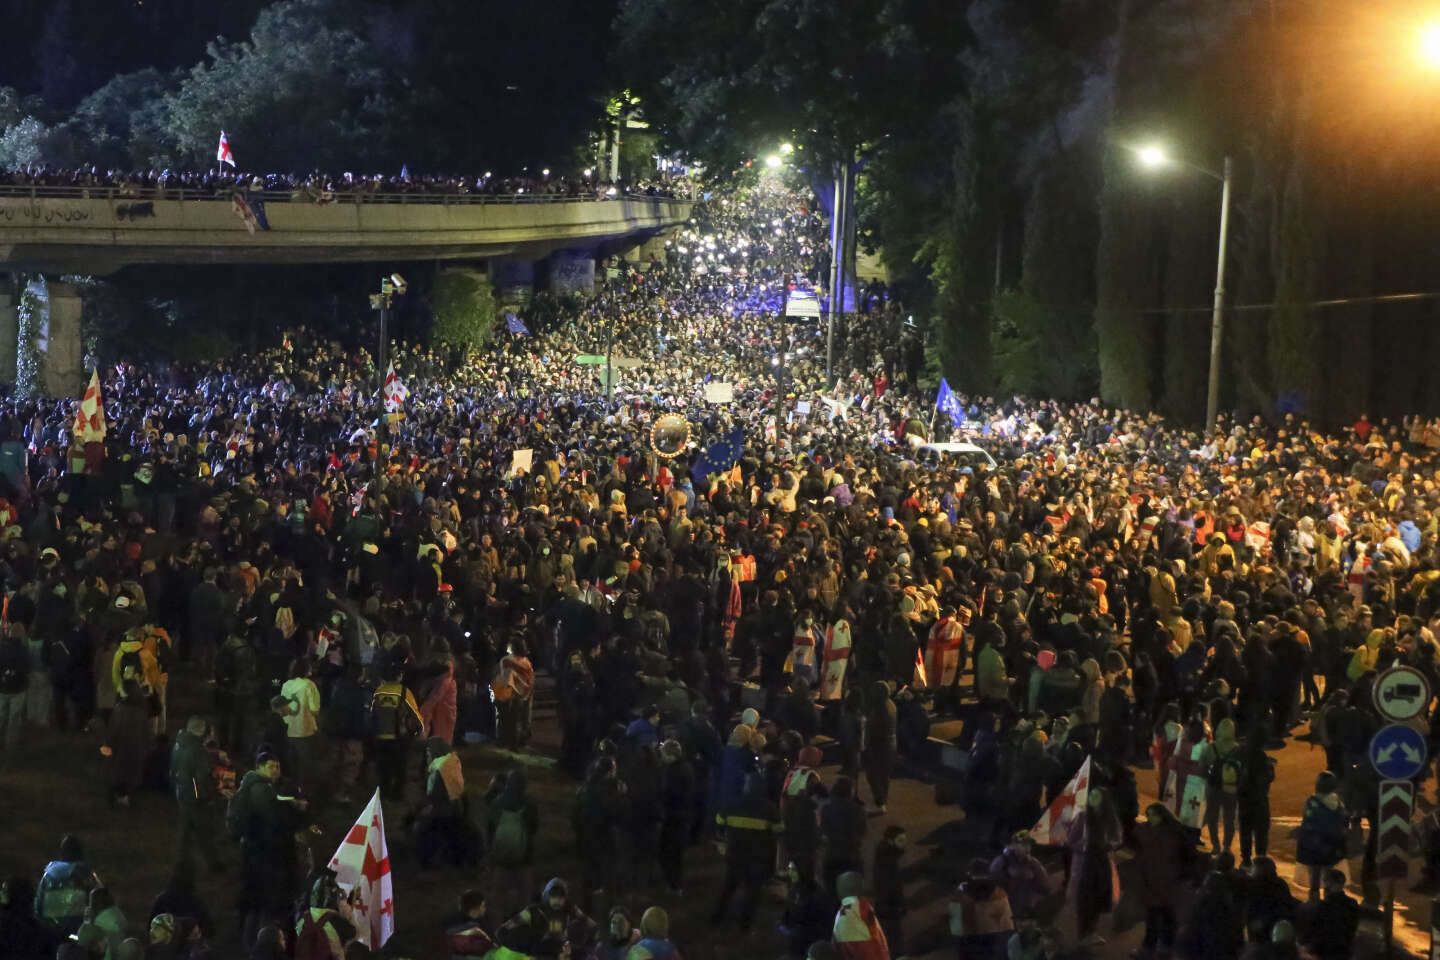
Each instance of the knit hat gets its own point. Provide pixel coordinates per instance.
(655, 923)
(850, 884)
(750, 717)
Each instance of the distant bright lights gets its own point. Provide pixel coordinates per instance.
(773, 161)
(787, 148)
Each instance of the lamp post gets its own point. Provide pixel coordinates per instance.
(1154, 157)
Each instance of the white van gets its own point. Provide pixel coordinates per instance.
(967, 454)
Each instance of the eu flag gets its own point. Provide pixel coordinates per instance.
(948, 402)
(257, 206)
(720, 455)
(515, 325)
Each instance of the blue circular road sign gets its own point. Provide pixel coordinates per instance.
(1397, 752)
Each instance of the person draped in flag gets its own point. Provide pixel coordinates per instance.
(837, 659)
(857, 933)
(809, 637)
(944, 651)
(1188, 778)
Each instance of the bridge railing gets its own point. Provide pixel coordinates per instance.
(318, 198)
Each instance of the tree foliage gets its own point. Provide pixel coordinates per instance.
(464, 309)
(304, 91)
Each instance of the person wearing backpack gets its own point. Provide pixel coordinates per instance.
(1223, 784)
(510, 825)
(192, 775)
(237, 684)
(14, 678)
(395, 721)
(64, 889)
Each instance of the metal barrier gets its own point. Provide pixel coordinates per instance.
(300, 195)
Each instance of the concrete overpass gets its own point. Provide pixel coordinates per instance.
(96, 231)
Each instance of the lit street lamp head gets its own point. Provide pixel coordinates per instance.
(1428, 45)
(1152, 157)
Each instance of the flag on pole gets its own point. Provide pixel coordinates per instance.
(948, 402)
(1055, 824)
(89, 426)
(222, 152)
(362, 871)
(396, 393)
(721, 455)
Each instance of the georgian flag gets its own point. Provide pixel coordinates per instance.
(89, 426)
(222, 152)
(395, 391)
(362, 871)
(1055, 823)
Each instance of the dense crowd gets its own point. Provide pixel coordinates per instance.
(353, 187)
(741, 647)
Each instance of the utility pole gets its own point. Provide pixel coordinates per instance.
(839, 235)
(1217, 316)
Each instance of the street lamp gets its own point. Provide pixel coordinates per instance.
(1154, 157)
(1428, 45)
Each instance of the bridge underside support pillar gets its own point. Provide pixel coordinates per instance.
(512, 279)
(572, 271)
(50, 352)
(62, 352)
(9, 330)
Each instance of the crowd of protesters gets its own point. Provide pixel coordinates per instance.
(345, 187)
(744, 648)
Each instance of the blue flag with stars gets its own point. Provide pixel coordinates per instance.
(720, 455)
(948, 402)
(515, 325)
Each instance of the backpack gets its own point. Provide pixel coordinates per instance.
(237, 813)
(1225, 772)
(511, 838)
(64, 900)
(132, 667)
(391, 716)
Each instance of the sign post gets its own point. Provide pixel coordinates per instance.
(1401, 694)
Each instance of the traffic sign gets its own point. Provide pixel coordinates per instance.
(1392, 853)
(1401, 693)
(1397, 752)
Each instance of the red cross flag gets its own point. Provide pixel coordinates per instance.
(1257, 535)
(222, 152)
(396, 393)
(1055, 824)
(362, 870)
(89, 426)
